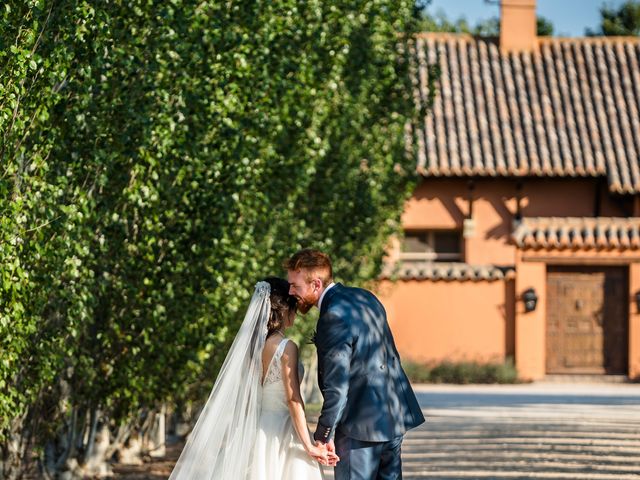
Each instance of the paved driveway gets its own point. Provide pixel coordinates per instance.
(547, 431)
(538, 431)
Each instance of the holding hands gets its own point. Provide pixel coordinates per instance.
(324, 453)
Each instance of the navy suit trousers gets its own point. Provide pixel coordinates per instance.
(360, 460)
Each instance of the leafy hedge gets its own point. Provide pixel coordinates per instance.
(157, 158)
(462, 372)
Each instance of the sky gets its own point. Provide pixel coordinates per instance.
(569, 17)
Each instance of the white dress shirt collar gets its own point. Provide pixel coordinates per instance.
(324, 292)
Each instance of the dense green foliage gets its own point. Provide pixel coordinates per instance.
(619, 21)
(461, 372)
(157, 159)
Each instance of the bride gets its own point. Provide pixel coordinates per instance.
(253, 426)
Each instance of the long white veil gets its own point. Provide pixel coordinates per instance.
(221, 443)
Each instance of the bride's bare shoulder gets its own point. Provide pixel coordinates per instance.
(290, 350)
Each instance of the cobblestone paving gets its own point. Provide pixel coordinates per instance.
(589, 432)
(538, 431)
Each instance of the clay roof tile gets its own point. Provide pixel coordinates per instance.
(570, 109)
(577, 232)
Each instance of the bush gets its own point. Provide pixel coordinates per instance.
(462, 372)
(417, 372)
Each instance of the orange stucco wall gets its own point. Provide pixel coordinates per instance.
(444, 204)
(437, 320)
(531, 326)
(434, 321)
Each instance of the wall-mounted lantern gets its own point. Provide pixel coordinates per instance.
(637, 296)
(530, 299)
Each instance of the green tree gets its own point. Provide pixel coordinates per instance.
(157, 159)
(39, 219)
(621, 21)
(544, 27)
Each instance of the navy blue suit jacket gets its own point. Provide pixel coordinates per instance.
(367, 395)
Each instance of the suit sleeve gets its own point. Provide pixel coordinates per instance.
(334, 343)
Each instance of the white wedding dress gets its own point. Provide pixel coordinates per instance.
(278, 452)
(245, 431)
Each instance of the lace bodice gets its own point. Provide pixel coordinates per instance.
(274, 370)
(273, 393)
(279, 453)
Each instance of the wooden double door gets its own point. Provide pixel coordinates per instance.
(587, 320)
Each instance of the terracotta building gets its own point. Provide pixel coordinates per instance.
(523, 238)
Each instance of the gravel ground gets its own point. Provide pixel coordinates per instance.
(152, 468)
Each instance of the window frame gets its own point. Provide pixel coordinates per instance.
(433, 256)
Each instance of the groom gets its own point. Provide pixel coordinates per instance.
(368, 401)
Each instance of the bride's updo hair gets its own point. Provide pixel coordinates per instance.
(281, 304)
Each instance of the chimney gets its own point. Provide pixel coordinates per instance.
(518, 26)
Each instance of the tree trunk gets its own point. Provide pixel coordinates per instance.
(96, 461)
(155, 439)
(14, 450)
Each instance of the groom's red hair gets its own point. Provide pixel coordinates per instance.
(313, 262)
